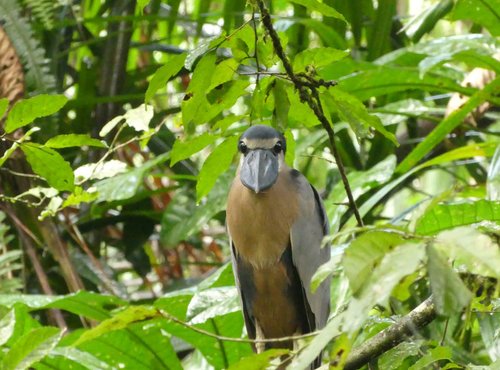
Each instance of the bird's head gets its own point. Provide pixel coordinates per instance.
(263, 152)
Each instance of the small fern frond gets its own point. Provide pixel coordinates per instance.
(38, 77)
(10, 261)
(43, 11)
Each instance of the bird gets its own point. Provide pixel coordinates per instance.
(276, 222)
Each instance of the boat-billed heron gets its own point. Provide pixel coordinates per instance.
(276, 223)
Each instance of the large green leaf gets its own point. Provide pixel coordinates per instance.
(31, 348)
(450, 295)
(366, 252)
(472, 249)
(483, 12)
(447, 216)
(163, 75)
(7, 325)
(87, 304)
(216, 163)
(435, 354)
(26, 111)
(142, 346)
(351, 110)
(493, 181)
(183, 217)
(184, 149)
(50, 165)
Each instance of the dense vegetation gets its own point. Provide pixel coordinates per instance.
(118, 145)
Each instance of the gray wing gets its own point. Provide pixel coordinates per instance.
(306, 236)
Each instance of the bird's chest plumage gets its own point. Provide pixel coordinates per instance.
(259, 224)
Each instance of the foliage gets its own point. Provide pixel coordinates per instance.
(113, 190)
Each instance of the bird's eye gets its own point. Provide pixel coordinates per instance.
(242, 147)
(278, 147)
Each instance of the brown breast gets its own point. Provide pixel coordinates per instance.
(259, 224)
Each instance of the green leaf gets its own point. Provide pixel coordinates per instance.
(142, 345)
(317, 57)
(435, 354)
(7, 325)
(4, 104)
(425, 21)
(399, 262)
(70, 357)
(354, 112)
(26, 111)
(141, 4)
(92, 305)
(447, 216)
(484, 12)
(184, 149)
(258, 361)
(164, 74)
(374, 82)
(126, 185)
(216, 163)
(138, 118)
(290, 147)
(183, 218)
(71, 140)
(493, 180)
(300, 113)
(118, 321)
(321, 8)
(448, 125)
(366, 252)
(449, 292)
(50, 165)
(361, 182)
(210, 303)
(31, 348)
(468, 247)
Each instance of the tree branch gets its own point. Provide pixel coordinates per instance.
(392, 336)
(307, 88)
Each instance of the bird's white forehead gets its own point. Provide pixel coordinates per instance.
(260, 143)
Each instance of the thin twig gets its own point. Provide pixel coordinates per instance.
(233, 339)
(302, 83)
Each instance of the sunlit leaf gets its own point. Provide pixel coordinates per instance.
(7, 324)
(71, 140)
(468, 247)
(26, 111)
(351, 110)
(447, 216)
(31, 348)
(216, 163)
(484, 12)
(364, 253)
(435, 354)
(164, 74)
(50, 165)
(449, 292)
